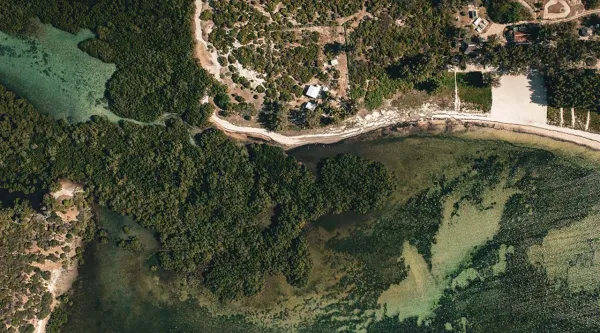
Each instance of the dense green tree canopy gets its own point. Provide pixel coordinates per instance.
(232, 212)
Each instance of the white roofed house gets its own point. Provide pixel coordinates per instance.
(313, 91)
(334, 62)
(310, 106)
(480, 24)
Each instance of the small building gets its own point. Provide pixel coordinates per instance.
(480, 24)
(518, 34)
(310, 106)
(313, 91)
(473, 14)
(468, 48)
(520, 37)
(334, 62)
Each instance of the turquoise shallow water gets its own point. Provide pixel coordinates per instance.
(55, 75)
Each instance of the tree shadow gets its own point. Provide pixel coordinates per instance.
(538, 88)
(473, 79)
(333, 49)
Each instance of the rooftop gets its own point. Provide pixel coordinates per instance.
(313, 91)
(310, 106)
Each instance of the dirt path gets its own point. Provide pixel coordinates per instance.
(562, 117)
(528, 7)
(207, 59)
(551, 21)
(456, 97)
(587, 122)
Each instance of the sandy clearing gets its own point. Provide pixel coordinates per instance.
(60, 282)
(495, 29)
(67, 189)
(554, 16)
(519, 99)
(251, 75)
(208, 60)
(70, 215)
(344, 76)
(61, 279)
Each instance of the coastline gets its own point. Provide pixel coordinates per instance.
(61, 278)
(585, 139)
(513, 110)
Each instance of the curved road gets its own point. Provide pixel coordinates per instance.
(587, 139)
(551, 21)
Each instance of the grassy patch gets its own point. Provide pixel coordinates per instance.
(580, 119)
(567, 117)
(594, 122)
(473, 92)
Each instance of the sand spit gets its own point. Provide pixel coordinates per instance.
(61, 278)
(208, 59)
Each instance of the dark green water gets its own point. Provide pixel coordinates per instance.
(55, 75)
(117, 291)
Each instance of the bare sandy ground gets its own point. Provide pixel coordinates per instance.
(208, 59)
(553, 16)
(475, 68)
(67, 190)
(61, 279)
(519, 99)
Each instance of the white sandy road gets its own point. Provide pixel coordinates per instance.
(587, 139)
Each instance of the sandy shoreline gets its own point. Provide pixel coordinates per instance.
(519, 104)
(589, 140)
(61, 279)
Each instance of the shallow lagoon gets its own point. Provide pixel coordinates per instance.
(479, 272)
(54, 74)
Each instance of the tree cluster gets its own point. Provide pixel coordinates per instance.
(225, 214)
(149, 41)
